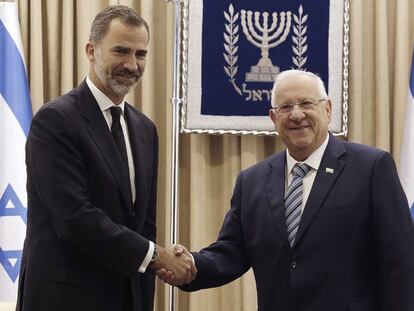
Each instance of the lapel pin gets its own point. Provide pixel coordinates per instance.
(329, 170)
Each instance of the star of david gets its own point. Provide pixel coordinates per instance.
(18, 209)
(10, 260)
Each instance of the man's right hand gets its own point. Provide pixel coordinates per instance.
(175, 265)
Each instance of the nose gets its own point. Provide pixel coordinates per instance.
(296, 114)
(131, 64)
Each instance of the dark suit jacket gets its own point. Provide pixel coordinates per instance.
(355, 244)
(85, 239)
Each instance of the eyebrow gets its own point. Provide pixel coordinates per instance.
(299, 99)
(127, 49)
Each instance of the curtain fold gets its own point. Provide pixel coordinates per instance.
(381, 40)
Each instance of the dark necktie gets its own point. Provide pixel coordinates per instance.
(293, 201)
(118, 136)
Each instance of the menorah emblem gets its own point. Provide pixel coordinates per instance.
(269, 38)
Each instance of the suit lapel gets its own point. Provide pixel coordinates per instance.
(138, 140)
(324, 181)
(100, 133)
(275, 191)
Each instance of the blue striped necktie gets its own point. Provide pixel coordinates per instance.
(293, 201)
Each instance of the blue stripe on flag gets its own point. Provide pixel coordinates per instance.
(412, 76)
(13, 80)
(412, 211)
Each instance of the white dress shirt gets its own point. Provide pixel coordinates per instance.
(105, 105)
(314, 160)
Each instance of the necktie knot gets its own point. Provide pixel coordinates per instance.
(116, 114)
(300, 170)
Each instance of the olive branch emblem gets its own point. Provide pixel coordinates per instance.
(300, 46)
(231, 38)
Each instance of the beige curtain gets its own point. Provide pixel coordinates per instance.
(382, 34)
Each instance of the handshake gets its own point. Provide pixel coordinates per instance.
(174, 265)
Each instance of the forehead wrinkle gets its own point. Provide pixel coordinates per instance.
(297, 88)
(120, 33)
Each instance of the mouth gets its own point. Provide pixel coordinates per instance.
(299, 128)
(127, 78)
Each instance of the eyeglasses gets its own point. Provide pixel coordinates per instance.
(305, 105)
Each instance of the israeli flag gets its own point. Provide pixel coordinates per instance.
(15, 117)
(407, 150)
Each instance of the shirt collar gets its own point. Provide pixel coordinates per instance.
(103, 101)
(314, 160)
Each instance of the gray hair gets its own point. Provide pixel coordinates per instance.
(102, 21)
(293, 72)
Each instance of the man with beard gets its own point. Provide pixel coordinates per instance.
(92, 178)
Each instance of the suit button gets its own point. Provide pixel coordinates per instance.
(293, 264)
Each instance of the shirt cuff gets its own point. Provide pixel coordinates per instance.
(144, 265)
(192, 258)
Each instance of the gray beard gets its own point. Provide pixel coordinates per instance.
(116, 87)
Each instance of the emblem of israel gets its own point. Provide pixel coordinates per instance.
(265, 31)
